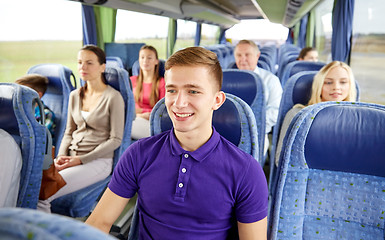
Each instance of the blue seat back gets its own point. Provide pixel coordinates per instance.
(248, 86)
(299, 66)
(57, 95)
(113, 61)
(331, 182)
(16, 223)
(136, 67)
(127, 52)
(17, 107)
(81, 202)
(234, 120)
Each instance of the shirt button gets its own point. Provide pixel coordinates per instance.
(180, 185)
(186, 155)
(184, 170)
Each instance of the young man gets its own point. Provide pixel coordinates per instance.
(191, 182)
(39, 83)
(246, 55)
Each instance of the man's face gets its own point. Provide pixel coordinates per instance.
(246, 57)
(191, 97)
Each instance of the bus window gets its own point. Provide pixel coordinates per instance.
(185, 34)
(323, 33)
(40, 31)
(209, 35)
(368, 49)
(134, 27)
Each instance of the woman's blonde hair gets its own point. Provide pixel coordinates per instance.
(319, 79)
(154, 96)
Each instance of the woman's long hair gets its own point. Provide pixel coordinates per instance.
(101, 59)
(154, 96)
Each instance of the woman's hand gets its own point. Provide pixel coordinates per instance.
(63, 162)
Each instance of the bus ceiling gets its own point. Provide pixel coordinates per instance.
(224, 13)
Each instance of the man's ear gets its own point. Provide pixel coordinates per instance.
(220, 98)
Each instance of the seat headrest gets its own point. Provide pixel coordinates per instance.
(112, 77)
(8, 120)
(240, 83)
(349, 138)
(56, 74)
(135, 68)
(299, 66)
(226, 121)
(302, 88)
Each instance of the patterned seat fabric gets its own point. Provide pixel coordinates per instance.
(17, 104)
(57, 95)
(248, 86)
(331, 182)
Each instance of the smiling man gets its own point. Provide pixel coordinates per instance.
(191, 182)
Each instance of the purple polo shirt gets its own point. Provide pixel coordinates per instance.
(190, 195)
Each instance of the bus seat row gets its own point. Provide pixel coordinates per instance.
(224, 52)
(331, 175)
(17, 118)
(61, 81)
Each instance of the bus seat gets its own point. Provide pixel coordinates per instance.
(298, 66)
(113, 61)
(286, 59)
(57, 95)
(135, 68)
(234, 120)
(18, 119)
(81, 202)
(331, 182)
(127, 52)
(16, 223)
(248, 86)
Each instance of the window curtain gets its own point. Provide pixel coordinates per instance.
(302, 32)
(342, 23)
(198, 34)
(89, 25)
(105, 24)
(172, 36)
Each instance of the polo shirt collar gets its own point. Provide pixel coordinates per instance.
(256, 70)
(201, 153)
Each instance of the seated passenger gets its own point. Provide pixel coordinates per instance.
(95, 125)
(334, 82)
(39, 83)
(308, 54)
(246, 55)
(191, 182)
(148, 88)
(10, 162)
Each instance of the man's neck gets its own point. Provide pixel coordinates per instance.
(191, 141)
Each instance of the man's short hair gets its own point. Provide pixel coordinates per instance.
(197, 56)
(37, 82)
(251, 43)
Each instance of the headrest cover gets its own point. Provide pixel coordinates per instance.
(348, 139)
(302, 89)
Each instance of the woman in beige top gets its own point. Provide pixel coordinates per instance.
(95, 126)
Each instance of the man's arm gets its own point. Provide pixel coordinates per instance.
(107, 211)
(253, 231)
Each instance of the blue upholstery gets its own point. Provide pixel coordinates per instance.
(115, 62)
(57, 95)
(18, 119)
(135, 68)
(234, 120)
(81, 202)
(286, 59)
(127, 52)
(298, 66)
(248, 86)
(16, 224)
(331, 182)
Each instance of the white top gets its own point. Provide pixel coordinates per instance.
(85, 114)
(273, 93)
(10, 162)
